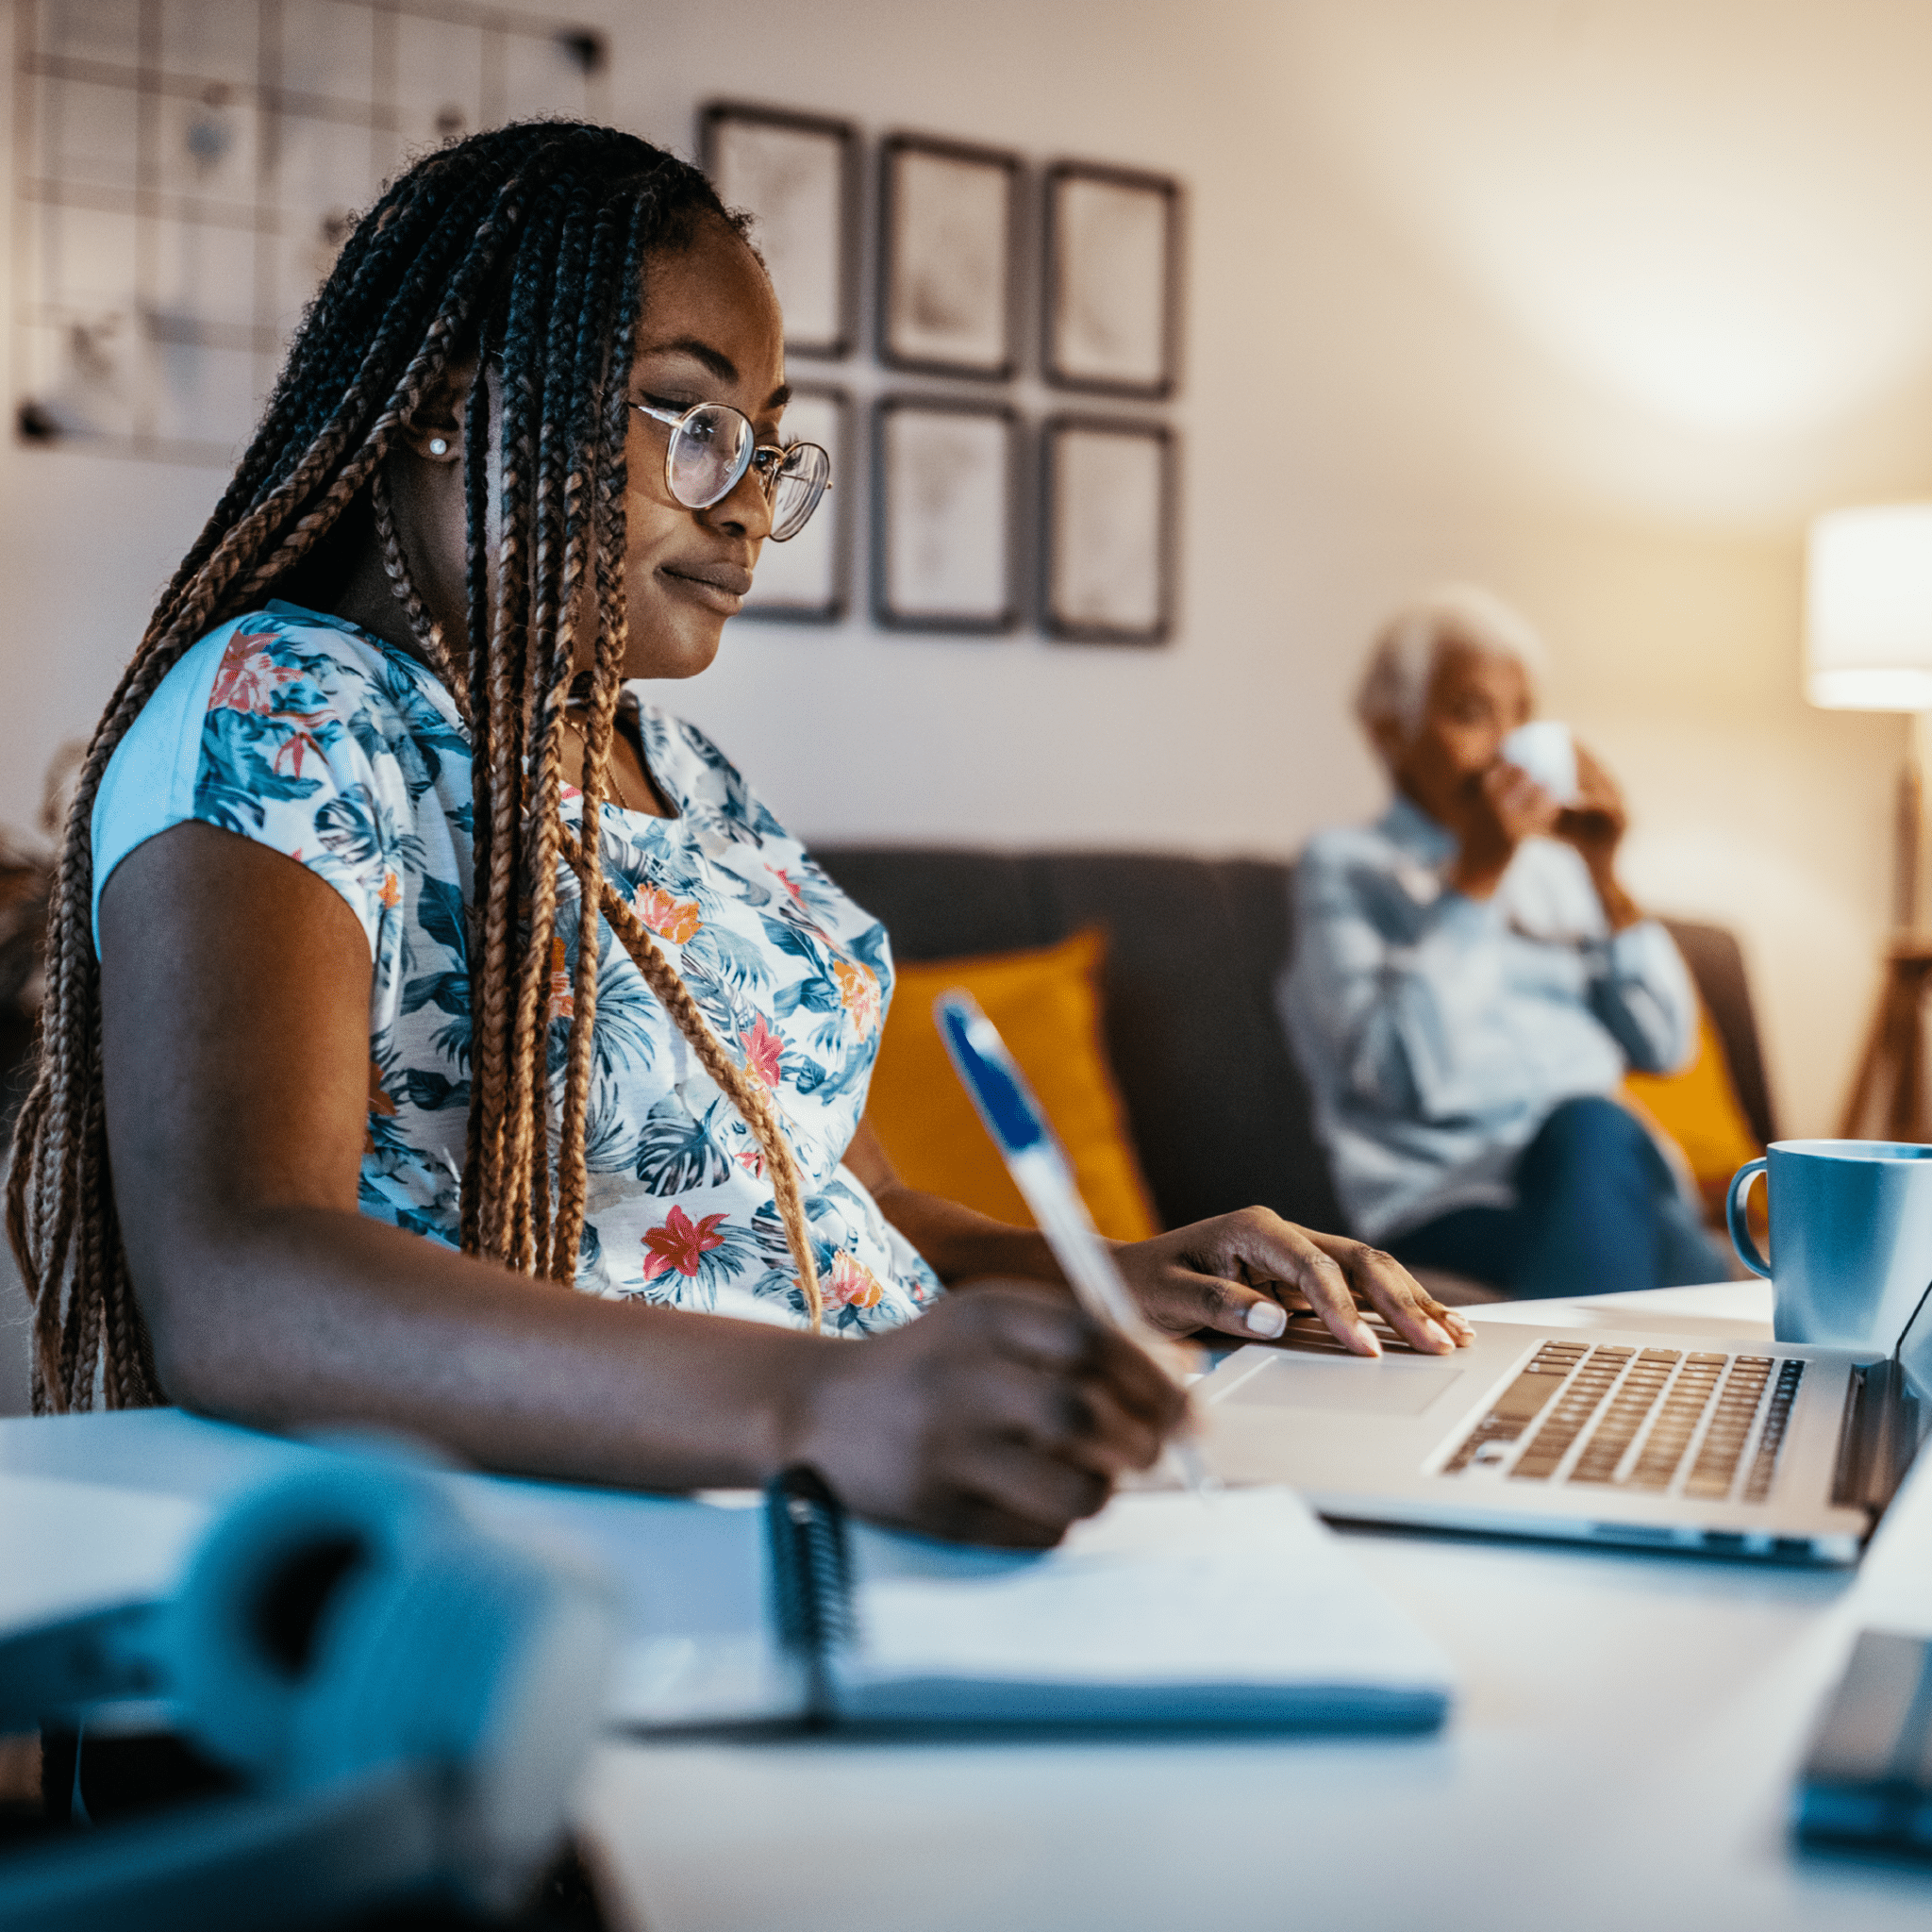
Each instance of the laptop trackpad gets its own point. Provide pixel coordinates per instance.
(1357, 1388)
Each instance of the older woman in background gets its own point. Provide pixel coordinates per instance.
(1471, 980)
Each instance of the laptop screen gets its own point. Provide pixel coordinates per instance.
(1913, 1354)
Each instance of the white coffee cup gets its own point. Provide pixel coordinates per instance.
(1546, 750)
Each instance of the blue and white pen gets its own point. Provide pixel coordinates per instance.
(1045, 1179)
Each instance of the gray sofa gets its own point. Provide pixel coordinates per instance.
(1219, 1109)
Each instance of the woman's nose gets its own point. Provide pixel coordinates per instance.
(746, 511)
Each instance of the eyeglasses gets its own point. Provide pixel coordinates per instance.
(712, 447)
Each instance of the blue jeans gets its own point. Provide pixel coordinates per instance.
(1597, 1212)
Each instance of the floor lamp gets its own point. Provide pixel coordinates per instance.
(1868, 597)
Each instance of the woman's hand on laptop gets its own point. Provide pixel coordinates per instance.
(1242, 1274)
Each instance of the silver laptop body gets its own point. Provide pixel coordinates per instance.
(1652, 1438)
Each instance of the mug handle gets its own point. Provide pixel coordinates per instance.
(1734, 1216)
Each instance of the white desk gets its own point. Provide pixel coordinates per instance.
(1622, 1757)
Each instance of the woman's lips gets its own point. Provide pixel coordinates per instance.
(717, 585)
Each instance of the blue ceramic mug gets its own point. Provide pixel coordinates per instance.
(1851, 1236)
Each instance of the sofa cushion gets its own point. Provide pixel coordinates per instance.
(1698, 1108)
(1717, 964)
(1047, 1003)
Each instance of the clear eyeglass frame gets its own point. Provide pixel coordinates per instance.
(711, 446)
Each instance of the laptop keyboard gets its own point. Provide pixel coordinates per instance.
(1709, 1426)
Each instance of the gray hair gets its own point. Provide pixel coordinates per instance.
(1395, 683)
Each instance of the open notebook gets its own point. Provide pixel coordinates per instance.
(1236, 1609)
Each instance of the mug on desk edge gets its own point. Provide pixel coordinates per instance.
(1851, 1236)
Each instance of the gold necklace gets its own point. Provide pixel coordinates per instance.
(650, 804)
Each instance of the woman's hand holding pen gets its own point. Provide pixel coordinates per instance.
(1240, 1275)
(999, 1417)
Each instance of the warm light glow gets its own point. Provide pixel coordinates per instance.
(1868, 596)
(1710, 211)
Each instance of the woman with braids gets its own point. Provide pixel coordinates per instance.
(359, 1053)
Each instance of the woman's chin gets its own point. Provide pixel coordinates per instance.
(676, 644)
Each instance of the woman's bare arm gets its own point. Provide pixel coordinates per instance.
(958, 1242)
(235, 988)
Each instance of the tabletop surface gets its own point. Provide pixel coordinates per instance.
(1622, 1754)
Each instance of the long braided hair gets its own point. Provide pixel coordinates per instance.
(528, 246)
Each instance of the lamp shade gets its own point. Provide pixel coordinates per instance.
(1868, 597)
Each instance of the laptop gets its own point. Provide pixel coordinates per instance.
(1775, 1451)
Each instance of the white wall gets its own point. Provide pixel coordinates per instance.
(1594, 303)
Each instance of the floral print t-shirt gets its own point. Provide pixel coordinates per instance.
(312, 738)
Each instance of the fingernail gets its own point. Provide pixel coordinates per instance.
(1442, 1334)
(1364, 1333)
(1266, 1319)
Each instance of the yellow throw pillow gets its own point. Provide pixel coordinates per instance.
(1046, 1005)
(1698, 1108)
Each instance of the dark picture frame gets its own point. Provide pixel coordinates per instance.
(1111, 314)
(946, 480)
(948, 257)
(808, 579)
(1108, 514)
(797, 175)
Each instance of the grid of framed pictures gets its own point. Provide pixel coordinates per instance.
(1001, 290)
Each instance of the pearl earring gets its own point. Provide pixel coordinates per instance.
(437, 446)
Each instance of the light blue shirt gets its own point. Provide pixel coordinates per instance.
(1439, 1032)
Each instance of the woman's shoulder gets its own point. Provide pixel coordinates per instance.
(286, 701)
(287, 668)
(287, 659)
(1344, 847)
(294, 730)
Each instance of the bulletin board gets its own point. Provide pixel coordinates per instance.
(185, 172)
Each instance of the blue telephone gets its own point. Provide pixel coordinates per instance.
(404, 1697)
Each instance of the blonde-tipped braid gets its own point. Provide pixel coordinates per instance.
(423, 627)
(743, 1090)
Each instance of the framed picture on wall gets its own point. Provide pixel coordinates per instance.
(945, 513)
(1109, 489)
(1114, 280)
(948, 220)
(804, 580)
(797, 175)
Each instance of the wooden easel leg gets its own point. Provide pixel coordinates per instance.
(1902, 1115)
(1869, 1080)
(1891, 1075)
(1865, 1081)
